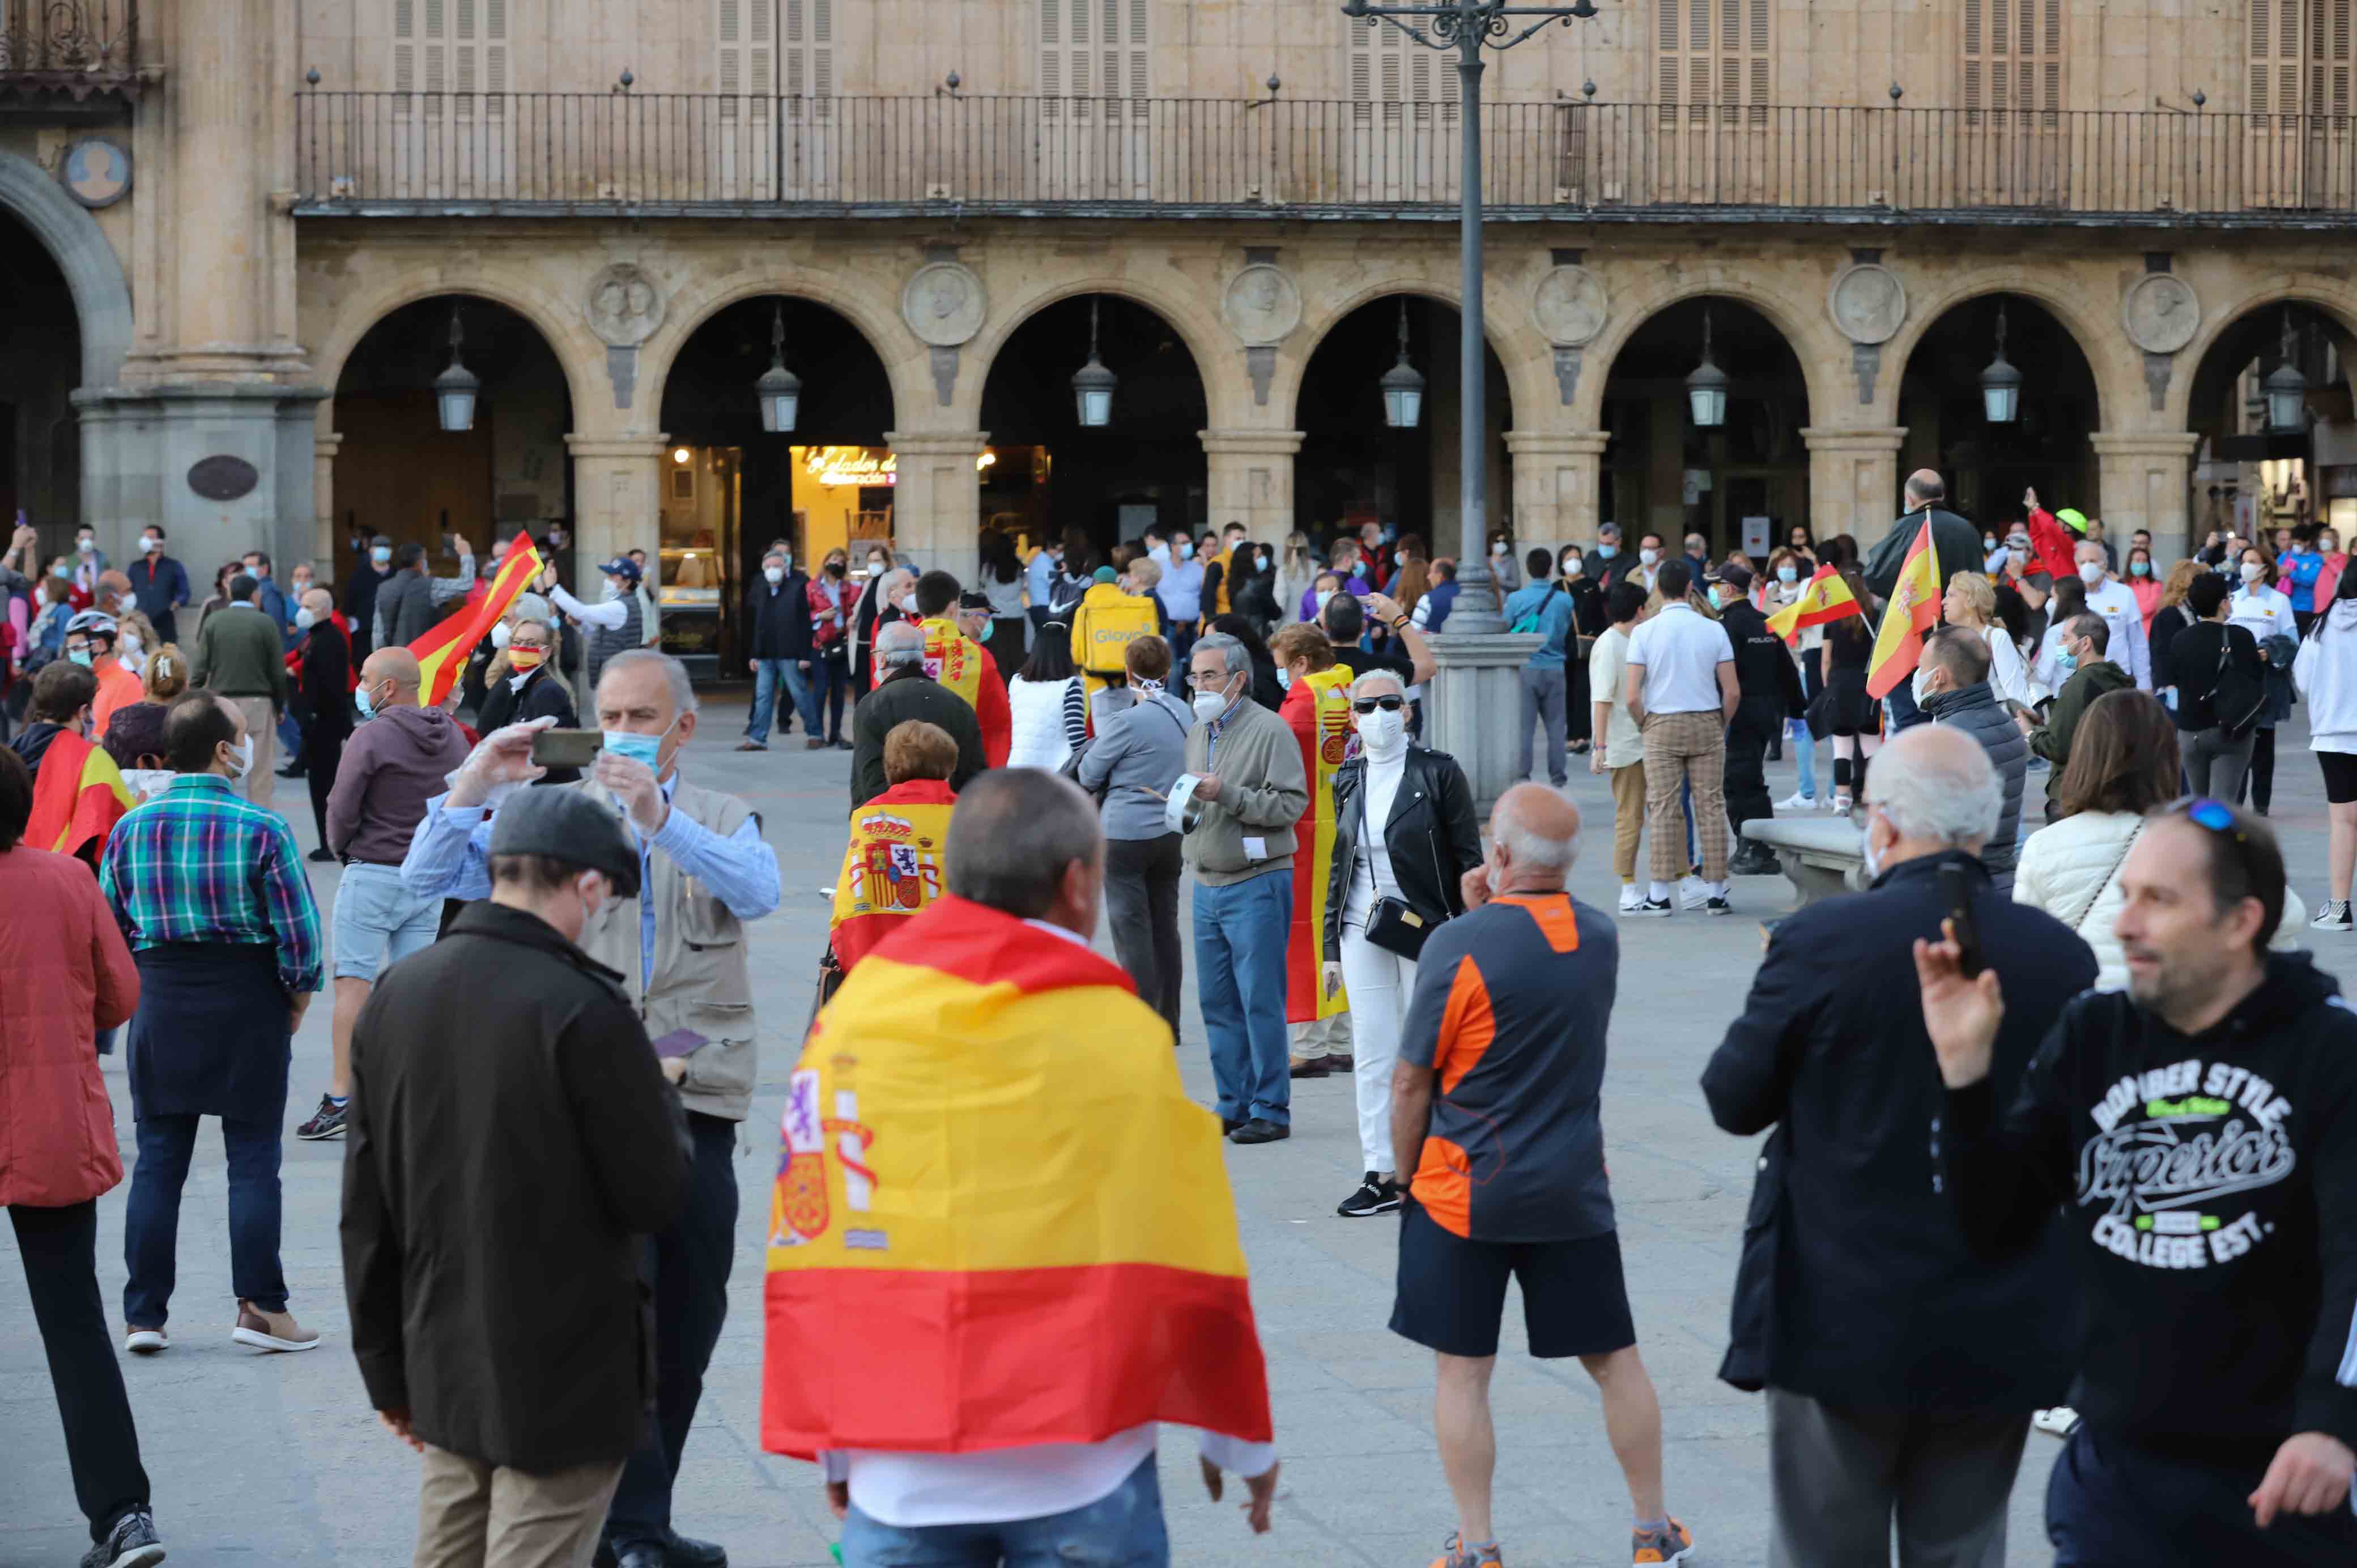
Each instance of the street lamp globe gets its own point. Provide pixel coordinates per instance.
(2286, 389)
(2001, 382)
(1092, 384)
(1403, 385)
(1707, 386)
(454, 388)
(779, 391)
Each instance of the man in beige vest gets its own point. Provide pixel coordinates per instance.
(680, 946)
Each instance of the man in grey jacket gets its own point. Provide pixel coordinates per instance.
(1252, 791)
(1137, 755)
(1952, 686)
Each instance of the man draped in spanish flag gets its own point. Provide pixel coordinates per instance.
(78, 791)
(1002, 1246)
(1317, 707)
(892, 866)
(959, 663)
(1912, 610)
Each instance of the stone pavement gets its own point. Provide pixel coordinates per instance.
(277, 1459)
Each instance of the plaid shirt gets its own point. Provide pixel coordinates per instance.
(197, 864)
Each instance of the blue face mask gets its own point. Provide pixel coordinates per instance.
(2066, 663)
(82, 656)
(644, 748)
(1606, 551)
(360, 700)
(380, 554)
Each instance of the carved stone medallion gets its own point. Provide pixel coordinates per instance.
(2161, 313)
(1569, 306)
(223, 477)
(1868, 302)
(625, 305)
(1263, 305)
(944, 305)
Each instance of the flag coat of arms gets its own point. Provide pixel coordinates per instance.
(442, 652)
(892, 868)
(1824, 599)
(998, 1220)
(1318, 709)
(1913, 610)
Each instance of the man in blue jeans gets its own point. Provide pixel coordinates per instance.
(1253, 790)
(1542, 606)
(780, 650)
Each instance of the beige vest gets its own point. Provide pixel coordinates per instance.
(701, 982)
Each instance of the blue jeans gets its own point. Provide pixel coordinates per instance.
(1240, 938)
(1122, 1530)
(765, 676)
(151, 1216)
(1804, 752)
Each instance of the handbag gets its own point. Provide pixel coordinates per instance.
(1393, 924)
(2079, 920)
(2234, 697)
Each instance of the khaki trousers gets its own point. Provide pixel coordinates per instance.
(1687, 748)
(1326, 1037)
(473, 1515)
(262, 728)
(1628, 817)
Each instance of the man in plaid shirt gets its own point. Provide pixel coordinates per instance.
(210, 892)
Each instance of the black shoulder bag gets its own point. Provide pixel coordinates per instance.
(1393, 924)
(2234, 697)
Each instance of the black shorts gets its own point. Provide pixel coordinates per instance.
(1452, 1292)
(2340, 775)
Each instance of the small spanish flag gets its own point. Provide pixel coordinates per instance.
(1913, 610)
(1825, 599)
(76, 800)
(442, 652)
(998, 1219)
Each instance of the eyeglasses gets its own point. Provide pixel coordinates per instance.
(1368, 705)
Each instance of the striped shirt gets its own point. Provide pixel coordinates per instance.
(198, 863)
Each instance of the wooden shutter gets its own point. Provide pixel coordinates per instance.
(2274, 52)
(1719, 55)
(404, 47)
(2012, 59)
(808, 55)
(2328, 58)
(1391, 69)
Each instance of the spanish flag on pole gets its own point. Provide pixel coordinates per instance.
(442, 652)
(1913, 610)
(998, 1219)
(78, 798)
(1824, 599)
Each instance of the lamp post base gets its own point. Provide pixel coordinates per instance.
(1476, 699)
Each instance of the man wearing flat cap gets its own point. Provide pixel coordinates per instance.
(510, 1140)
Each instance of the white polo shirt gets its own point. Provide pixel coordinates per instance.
(1680, 653)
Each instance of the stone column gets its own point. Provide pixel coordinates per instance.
(937, 499)
(327, 556)
(1557, 478)
(2145, 479)
(1854, 481)
(1251, 480)
(617, 500)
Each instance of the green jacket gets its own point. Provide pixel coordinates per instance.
(242, 656)
(2052, 740)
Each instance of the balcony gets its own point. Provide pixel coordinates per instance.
(78, 49)
(552, 155)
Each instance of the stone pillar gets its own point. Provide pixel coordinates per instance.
(937, 499)
(617, 500)
(1557, 478)
(1473, 700)
(139, 446)
(1251, 480)
(1854, 481)
(328, 558)
(2144, 480)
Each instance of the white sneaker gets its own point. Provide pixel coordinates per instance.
(1692, 892)
(1797, 801)
(146, 1341)
(1632, 897)
(2060, 1421)
(2333, 917)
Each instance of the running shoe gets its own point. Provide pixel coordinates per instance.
(1651, 906)
(1692, 891)
(1632, 897)
(1667, 1545)
(1456, 1555)
(2333, 917)
(328, 1121)
(1375, 1195)
(1718, 905)
(2060, 1422)
(132, 1543)
(1800, 801)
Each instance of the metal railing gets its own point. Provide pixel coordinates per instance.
(93, 44)
(383, 153)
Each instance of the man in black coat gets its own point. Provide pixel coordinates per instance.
(1768, 684)
(1956, 540)
(1901, 1369)
(908, 692)
(510, 1139)
(778, 652)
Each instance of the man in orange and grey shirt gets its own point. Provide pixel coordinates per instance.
(1495, 1107)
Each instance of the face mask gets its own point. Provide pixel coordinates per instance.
(2066, 661)
(125, 604)
(1571, 566)
(776, 575)
(787, 561)
(60, 573)
(1715, 601)
(1498, 549)
(2253, 571)
(86, 547)
(380, 555)
(259, 574)
(875, 567)
(644, 749)
(1184, 551)
(151, 544)
(500, 635)
(1873, 855)
(1922, 688)
(909, 602)
(1285, 678)
(1787, 574)
(1385, 735)
(1988, 542)
(366, 703)
(1648, 557)
(613, 589)
(525, 657)
(1607, 550)
(835, 568)
(241, 757)
(2328, 547)
(557, 538)
(1210, 705)
(82, 656)
(304, 619)
(2091, 572)
(2139, 568)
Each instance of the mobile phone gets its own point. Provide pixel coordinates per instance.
(1956, 894)
(567, 747)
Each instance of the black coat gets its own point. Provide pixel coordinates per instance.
(542, 698)
(1432, 834)
(1957, 541)
(510, 1140)
(777, 620)
(1857, 1285)
(911, 695)
(1766, 679)
(326, 693)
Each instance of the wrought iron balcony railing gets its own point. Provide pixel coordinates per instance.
(79, 48)
(382, 154)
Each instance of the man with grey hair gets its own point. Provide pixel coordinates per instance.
(1251, 792)
(1952, 685)
(905, 691)
(777, 629)
(2116, 602)
(679, 948)
(1902, 1370)
(1495, 1120)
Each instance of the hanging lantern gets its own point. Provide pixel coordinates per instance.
(2001, 382)
(1706, 387)
(1092, 384)
(779, 391)
(454, 389)
(1403, 386)
(2286, 389)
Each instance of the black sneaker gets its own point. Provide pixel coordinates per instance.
(1260, 1131)
(1228, 1124)
(132, 1543)
(1718, 905)
(1375, 1195)
(1314, 1068)
(1651, 906)
(328, 1121)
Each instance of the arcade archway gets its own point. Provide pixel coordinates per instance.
(1989, 464)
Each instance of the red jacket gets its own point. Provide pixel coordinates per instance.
(69, 975)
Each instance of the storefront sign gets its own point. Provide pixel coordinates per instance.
(850, 465)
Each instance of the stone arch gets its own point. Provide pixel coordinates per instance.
(93, 273)
(1529, 372)
(2118, 381)
(1226, 394)
(904, 360)
(2330, 296)
(1814, 342)
(355, 316)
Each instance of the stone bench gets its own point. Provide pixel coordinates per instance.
(1820, 857)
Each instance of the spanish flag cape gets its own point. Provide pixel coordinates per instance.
(1318, 709)
(78, 799)
(953, 658)
(442, 652)
(998, 1220)
(892, 868)
(1825, 599)
(1913, 610)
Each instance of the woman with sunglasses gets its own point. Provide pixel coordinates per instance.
(1390, 884)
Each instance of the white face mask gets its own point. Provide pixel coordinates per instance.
(1385, 735)
(304, 619)
(1873, 855)
(1921, 687)
(1209, 704)
(1649, 556)
(1497, 549)
(2253, 571)
(2091, 572)
(614, 589)
(86, 546)
(500, 634)
(151, 544)
(909, 602)
(240, 758)
(776, 575)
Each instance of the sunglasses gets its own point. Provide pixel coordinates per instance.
(2216, 815)
(1368, 705)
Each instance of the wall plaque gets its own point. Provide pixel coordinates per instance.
(223, 477)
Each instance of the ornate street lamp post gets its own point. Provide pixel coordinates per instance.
(780, 390)
(454, 388)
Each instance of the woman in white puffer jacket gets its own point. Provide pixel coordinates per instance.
(2124, 763)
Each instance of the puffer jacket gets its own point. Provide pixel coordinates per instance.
(2070, 870)
(70, 975)
(1975, 709)
(2326, 671)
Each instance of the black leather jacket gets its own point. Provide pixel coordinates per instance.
(1433, 836)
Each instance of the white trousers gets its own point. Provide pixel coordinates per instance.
(1379, 984)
